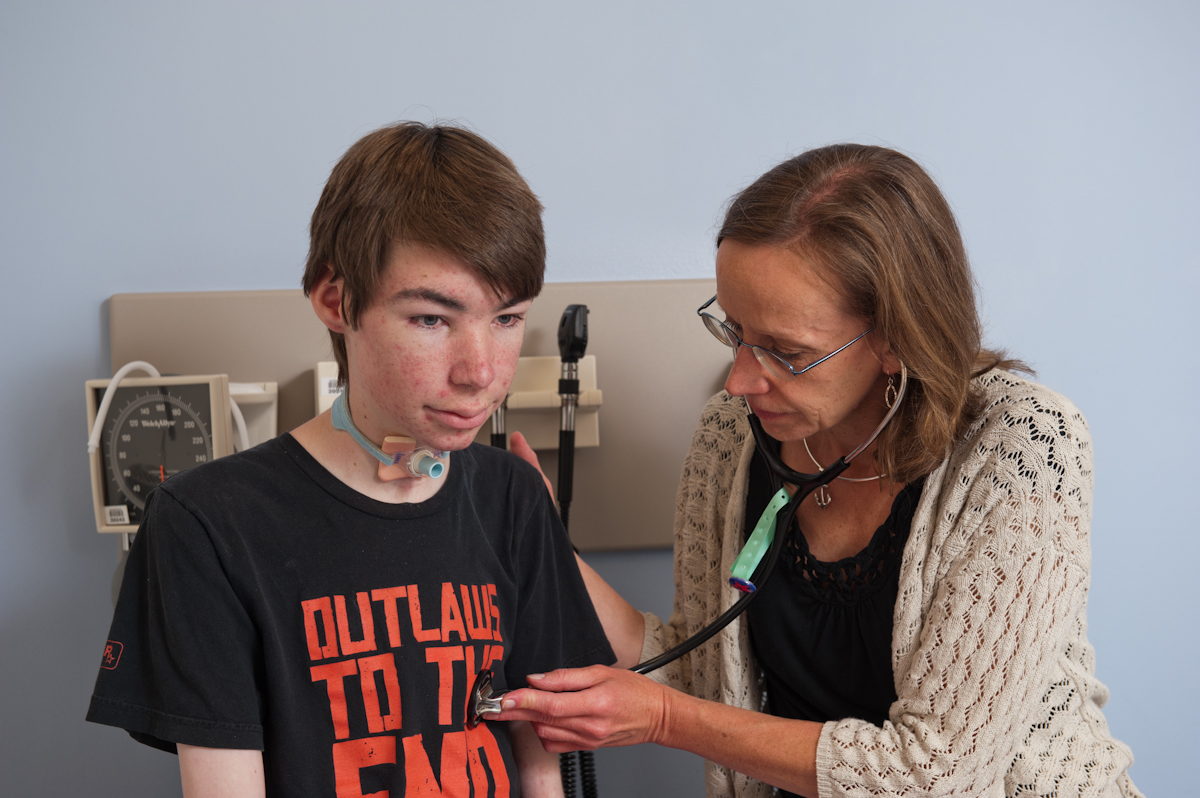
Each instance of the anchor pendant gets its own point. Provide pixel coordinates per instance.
(822, 498)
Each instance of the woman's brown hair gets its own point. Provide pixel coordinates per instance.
(873, 223)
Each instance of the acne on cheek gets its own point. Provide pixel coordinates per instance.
(506, 365)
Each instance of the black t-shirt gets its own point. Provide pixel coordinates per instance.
(822, 632)
(267, 605)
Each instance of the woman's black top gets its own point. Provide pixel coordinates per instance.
(822, 632)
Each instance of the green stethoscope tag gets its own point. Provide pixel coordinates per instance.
(758, 544)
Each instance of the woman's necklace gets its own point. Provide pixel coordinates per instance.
(820, 495)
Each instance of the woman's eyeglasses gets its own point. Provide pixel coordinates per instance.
(769, 360)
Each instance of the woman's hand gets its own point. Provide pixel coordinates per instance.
(588, 708)
(522, 449)
(602, 707)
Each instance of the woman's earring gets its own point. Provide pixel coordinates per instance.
(889, 394)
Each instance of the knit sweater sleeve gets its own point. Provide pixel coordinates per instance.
(1002, 571)
(706, 486)
(709, 515)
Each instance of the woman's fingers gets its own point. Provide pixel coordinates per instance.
(557, 740)
(571, 679)
(522, 449)
(590, 708)
(557, 694)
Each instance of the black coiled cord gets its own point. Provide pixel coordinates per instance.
(587, 774)
(566, 766)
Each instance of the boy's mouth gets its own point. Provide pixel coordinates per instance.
(463, 419)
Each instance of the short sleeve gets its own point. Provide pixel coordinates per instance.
(557, 626)
(182, 662)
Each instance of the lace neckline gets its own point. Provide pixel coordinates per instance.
(855, 578)
(852, 579)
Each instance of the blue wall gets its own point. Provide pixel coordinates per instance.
(148, 146)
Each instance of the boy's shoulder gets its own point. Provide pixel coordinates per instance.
(268, 465)
(282, 470)
(494, 460)
(491, 473)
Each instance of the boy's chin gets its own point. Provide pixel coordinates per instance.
(454, 441)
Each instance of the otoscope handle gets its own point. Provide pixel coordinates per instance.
(499, 435)
(566, 474)
(572, 343)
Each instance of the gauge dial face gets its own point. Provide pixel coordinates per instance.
(153, 433)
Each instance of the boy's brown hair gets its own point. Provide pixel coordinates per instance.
(438, 186)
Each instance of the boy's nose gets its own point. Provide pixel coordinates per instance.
(474, 364)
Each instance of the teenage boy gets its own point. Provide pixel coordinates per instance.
(301, 619)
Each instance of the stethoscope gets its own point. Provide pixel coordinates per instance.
(757, 560)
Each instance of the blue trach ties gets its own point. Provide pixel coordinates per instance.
(342, 420)
(758, 544)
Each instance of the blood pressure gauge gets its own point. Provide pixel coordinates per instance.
(154, 428)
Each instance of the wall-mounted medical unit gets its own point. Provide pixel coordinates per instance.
(658, 366)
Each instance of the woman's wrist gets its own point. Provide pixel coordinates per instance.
(779, 751)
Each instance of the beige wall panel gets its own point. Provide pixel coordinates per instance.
(655, 364)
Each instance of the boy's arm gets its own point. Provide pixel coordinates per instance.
(623, 625)
(538, 770)
(229, 772)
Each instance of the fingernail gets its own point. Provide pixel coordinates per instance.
(508, 704)
(536, 676)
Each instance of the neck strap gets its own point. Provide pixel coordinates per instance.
(343, 421)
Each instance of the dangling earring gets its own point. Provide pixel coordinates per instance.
(889, 394)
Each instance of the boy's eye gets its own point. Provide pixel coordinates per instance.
(427, 321)
(509, 319)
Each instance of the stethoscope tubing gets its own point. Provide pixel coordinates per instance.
(761, 574)
(483, 699)
(805, 484)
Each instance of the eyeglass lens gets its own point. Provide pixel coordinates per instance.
(769, 360)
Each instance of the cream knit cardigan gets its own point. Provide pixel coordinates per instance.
(995, 678)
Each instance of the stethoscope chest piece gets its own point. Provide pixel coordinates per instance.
(483, 699)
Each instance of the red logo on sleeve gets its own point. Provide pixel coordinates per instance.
(112, 655)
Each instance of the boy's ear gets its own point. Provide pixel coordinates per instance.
(326, 300)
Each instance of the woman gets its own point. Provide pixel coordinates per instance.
(925, 631)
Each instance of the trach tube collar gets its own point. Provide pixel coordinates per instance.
(423, 463)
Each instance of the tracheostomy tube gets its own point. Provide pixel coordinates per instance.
(422, 462)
